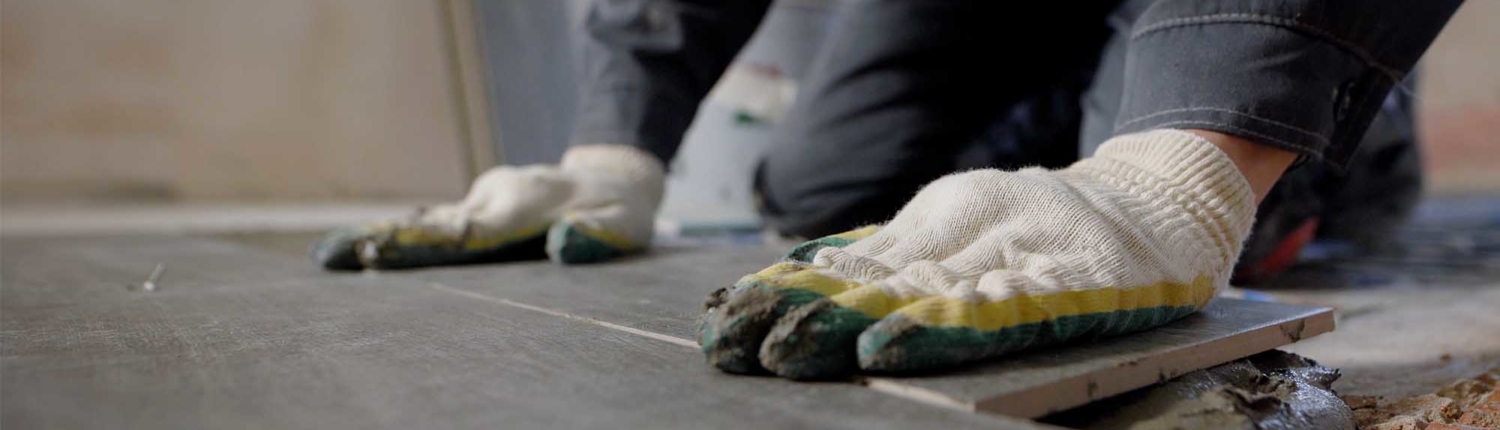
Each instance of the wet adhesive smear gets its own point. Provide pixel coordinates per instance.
(1270, 390)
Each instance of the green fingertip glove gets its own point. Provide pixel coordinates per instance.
(986, 263)
(598, 203)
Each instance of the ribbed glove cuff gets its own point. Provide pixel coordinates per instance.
(623, 160)
(1190, 171)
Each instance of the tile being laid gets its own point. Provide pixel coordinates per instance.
(1032, 384)
(660, 293)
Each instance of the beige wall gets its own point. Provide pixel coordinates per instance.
(226, 100)
(1459, 102)
(353, 99)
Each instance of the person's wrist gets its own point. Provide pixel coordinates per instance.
(1262, 165)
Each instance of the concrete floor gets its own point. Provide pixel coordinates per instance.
(239, 337)
(1413, 318)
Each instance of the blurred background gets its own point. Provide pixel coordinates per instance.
(356, 108)
(268, 122)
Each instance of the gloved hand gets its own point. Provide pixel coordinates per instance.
(985, 263)
(597, 204)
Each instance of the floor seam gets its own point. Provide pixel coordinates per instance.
(879, 385)
(632, 330)
(914, 393)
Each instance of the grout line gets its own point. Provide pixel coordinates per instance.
(605, 324)
(914, 393)
(880, 385)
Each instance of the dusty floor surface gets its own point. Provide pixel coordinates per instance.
(1414, 317)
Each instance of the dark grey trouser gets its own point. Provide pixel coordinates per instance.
(896, 98)
(904, 88)
(649, 63)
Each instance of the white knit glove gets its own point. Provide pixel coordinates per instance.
(598, 203)
(988, 262)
